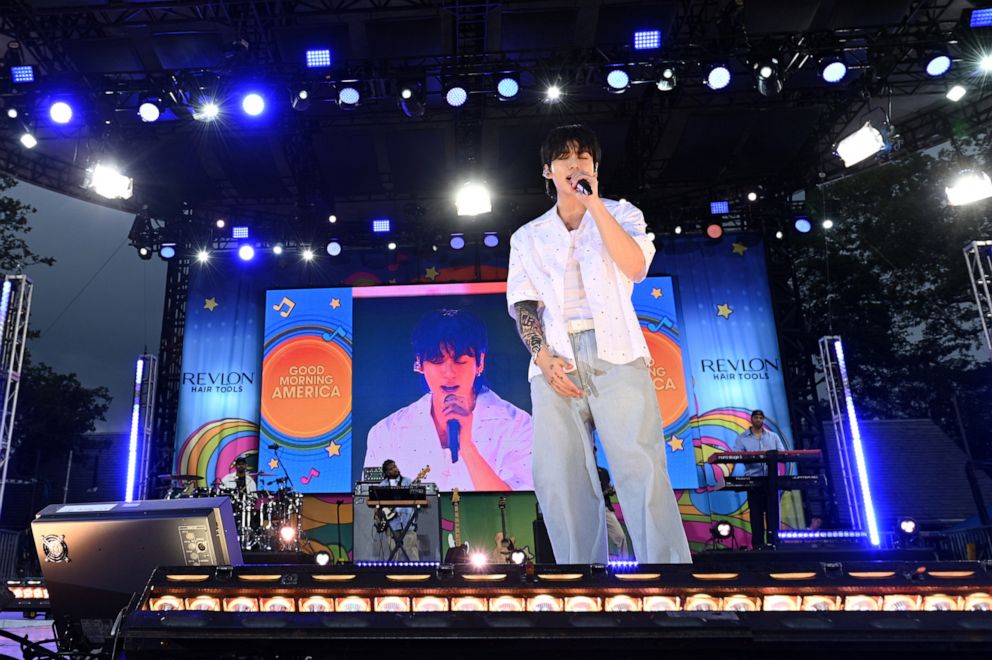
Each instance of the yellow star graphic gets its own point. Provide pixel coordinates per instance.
(335, 303)
(676, 443)
(210, 304)
(656, 293)
(739, 248)
(333, 449)
(431, 273)
(273, 463)
(724, 310)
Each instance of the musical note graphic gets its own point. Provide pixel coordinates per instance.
(663, 323)
(289, 304)
(330, 336)
(307, 479)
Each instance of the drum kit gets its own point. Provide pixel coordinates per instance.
(266, 519)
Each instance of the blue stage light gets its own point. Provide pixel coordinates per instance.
(239, 232)
(490, 239)
(319, 58)
(980, 18)
(618, 80)
(349, 96)
(508, 87)
(803, 225)
(60, 112)
(22, 74)
(859, 454)
(456, 96)
(253, 104)
(647, 39)
(457, 241)
(938, 64)
(381, 226)
(246, 252)
(334, 248)
(167, 251)
(718, 77)
(832, 70)
(132, 445)
(719, 208)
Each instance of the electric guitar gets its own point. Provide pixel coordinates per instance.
(457, 553)
(383, 515)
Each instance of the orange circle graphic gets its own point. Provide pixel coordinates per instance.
(667, 375)
(306, 387)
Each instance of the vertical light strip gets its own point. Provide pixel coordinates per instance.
(4, 304)
(132, 446)
(859, 455)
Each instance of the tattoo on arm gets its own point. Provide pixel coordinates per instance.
(529, 325)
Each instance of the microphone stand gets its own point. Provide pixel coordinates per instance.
(338, 503)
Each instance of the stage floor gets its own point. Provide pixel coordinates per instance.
(37, 630)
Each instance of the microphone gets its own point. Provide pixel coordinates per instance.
(584, 187)
(454, 428)
(274, 447)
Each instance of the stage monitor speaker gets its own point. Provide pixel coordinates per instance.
(370, 545)
(95, 557)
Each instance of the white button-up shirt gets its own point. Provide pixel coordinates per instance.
(538, 255)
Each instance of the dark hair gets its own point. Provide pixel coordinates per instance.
(387, 462)
(561, 140)
(457, 331)
(757, 412)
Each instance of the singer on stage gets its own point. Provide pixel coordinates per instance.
(571, 276)
(473, 439)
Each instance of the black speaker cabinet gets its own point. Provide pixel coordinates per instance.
(96, 556)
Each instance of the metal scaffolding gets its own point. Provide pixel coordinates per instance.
(838, 415)
(978, 256)
(15, 310)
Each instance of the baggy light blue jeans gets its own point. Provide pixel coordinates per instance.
(620, 403)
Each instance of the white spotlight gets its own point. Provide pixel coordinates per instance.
(391, 245)
(970, 186)
(208, 111)
(12, 113)
(553, 93)
(333, 248)
(307, 254)
(678, 229)
(277, 249)
(479, 559)
(752, 196)
(473, 199)
(107, 181)
(60, 112)
(149, 112)
(828, 224)
(956, 93)
(866, 141)
(28, 141)
(203, 256)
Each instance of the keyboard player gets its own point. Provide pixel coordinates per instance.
(758, 438)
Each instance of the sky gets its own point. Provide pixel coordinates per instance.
(100, 305)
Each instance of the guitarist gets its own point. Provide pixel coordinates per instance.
(398, 517)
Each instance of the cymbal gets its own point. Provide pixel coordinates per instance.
(181, 477)
(262, 474)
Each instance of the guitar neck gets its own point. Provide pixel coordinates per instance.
(458, 526)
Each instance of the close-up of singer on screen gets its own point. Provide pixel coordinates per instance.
(471, 437)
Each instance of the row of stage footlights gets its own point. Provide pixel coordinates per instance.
(975, 602)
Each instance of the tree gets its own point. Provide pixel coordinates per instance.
(54, 412)
(890, 278)
(14, 215)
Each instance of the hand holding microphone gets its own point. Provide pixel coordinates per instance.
(585, 185)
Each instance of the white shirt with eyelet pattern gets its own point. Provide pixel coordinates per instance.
(538, 255)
